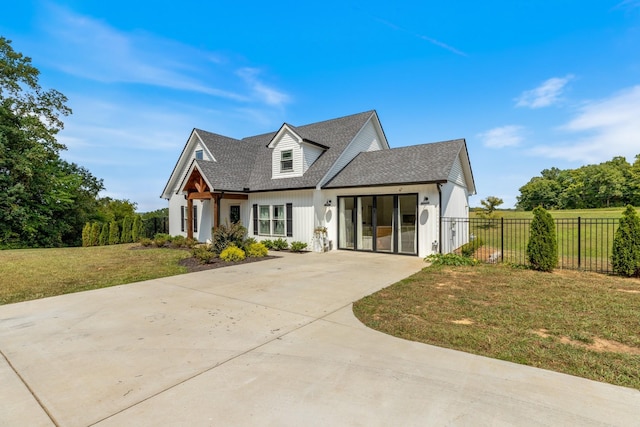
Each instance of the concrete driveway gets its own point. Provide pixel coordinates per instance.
(268, 343)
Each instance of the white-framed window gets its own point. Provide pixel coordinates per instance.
(199, 154)
(286, 161)
(273, 220)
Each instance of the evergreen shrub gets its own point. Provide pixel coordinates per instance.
(625, 257)
(542, 248)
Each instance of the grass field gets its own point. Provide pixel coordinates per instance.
(582, 324)
(566, 213)
(27, 274)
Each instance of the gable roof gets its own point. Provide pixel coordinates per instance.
(418, 164)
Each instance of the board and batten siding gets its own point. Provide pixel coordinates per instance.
(367, 140)
(286, 142)
(303, 213)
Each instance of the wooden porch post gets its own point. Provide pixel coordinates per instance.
(189, 218)
(216, 210)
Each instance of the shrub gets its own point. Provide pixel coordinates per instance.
(232, 253)
(86, 235)
(468, 249)
(95, 234)
(298, 246)
(146, 241)
(267, 243)
(160, 240)
(450, 259)
(225, 235)
(280, 244)
(136, 229)
(626, 244)
(164, 236)
(179, 241)
(256, 250)
(203, 254)
(542, 249)
(248, 242)
(114, 233)
(125, 237)
(104, 235)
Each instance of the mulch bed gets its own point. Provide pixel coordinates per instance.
(194, 265)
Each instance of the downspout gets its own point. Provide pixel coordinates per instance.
(440, 217)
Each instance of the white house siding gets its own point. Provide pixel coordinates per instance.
(286, 142)
(175, 202)
(456, 201)
(428, 215)
(310, 154)
(456, 175)
(303, 213)
(367, 139)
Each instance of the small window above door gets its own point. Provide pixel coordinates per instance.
(199, 155)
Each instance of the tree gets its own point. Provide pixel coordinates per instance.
(104, 235)
(114, 233)
(542, 248)
(489, 205)
(539, 192)
(136, 229)
(626, 244)
(95, 234)
(86, 235)
(126, 230)
(44, 200)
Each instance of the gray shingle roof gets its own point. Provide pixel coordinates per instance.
(426, 163)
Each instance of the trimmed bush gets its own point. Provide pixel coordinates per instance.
(542, 249)
(179, 242)
(161, 240)
(280, 244)
(136, 229)
(267, 243)
(114, 233)
(225, 235)
(256, 250)
(95, 234)
(298, 246)
(104, 235)
(203, 254)
(232, 254)
(468, 249)
(626, 244)
(248, 242)
(86, 235)
(125, 237)
(146, 241)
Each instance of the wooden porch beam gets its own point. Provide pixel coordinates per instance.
(199, 196)
(235, 196)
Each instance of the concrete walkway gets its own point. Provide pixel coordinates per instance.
(268, 343)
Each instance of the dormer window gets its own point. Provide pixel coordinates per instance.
(286, 161)
(199, 155)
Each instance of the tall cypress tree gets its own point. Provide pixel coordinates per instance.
(626, 244)
(542, 248)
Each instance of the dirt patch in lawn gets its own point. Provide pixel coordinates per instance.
(599, 344)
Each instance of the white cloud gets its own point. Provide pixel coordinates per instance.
(604, 128)
(548, 93)
(96, 51)
(268, 95)
(504, 136)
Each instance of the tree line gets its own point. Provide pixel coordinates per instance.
(609, 184)
(45, 201)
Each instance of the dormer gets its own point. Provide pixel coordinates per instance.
(291, 153)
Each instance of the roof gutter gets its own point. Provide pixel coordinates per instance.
(440, 217)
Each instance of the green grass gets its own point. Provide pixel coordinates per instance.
(564, 213)
(27, 274)
(548, 320)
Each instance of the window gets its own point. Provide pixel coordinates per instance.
(264, 223)
(276, 220)
(195, 219)
(234, 214)
(286, 161)
(199, 155)
(183, 218)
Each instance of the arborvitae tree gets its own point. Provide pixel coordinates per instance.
(114, 233)
(95, 234)
(626, 244)
(542, 249)
(86, 235)
(136, 229)
(104, 235)
(125, 237)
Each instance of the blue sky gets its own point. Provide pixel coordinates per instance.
(529, 84)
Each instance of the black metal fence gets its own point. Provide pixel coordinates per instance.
(583, 243)
(155, 225)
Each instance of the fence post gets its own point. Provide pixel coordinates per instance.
(579, 241)
(502, 239)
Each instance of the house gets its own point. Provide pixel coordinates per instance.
(339, 175)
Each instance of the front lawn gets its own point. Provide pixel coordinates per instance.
(582, 324)
(27, 274)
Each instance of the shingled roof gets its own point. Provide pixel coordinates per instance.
(417, 164)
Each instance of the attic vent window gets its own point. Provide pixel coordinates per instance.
(286, 161)
(199, 155)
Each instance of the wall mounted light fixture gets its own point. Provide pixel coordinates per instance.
(328, 203)
(425, 201)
